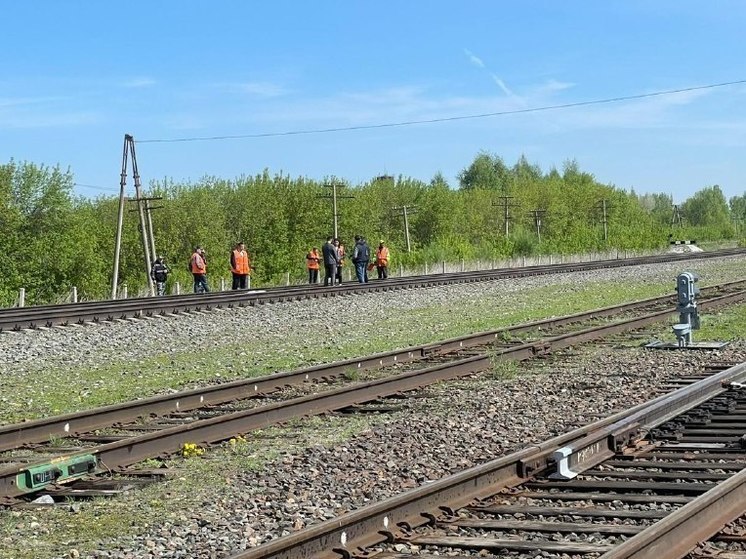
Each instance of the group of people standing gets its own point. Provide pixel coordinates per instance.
(363, 263)
(332, 257)
(240, 268)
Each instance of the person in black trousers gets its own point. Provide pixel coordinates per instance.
(331, 261)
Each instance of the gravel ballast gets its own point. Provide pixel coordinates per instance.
(89, 366)
(251, 492)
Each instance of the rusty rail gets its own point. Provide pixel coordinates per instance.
(94, 311)
(40, 430)
(18, 480)
(394, 517)
(680, 532)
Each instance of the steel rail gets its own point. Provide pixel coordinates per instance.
(681, 531)
(96, 311)
(393, 518)
(65, 425)
(18, 480)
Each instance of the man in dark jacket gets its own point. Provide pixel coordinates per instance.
(360, 257)
(331, 261)
(159, 274)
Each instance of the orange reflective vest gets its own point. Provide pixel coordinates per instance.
(240, 262)
(199, 266)
(382, 256)
(312, 260)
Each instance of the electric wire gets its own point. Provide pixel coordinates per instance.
(95, 187)
(443, 119)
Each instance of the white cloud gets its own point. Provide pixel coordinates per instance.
(17, 119)
(138, 82)
(263, 89)
(501, 85)
(474, 59)
(553, 85)
(21, 101)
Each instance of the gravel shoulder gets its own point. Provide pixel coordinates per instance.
(68, 369)
(251, 490)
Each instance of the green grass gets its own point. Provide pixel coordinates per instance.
(121, 380)
(99, 523)
(728, 325)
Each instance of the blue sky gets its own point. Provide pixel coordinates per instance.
(78, 75)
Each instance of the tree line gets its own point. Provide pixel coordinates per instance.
(52, 240)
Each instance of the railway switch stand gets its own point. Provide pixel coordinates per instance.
(686, 306)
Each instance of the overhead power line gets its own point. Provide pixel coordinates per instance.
(95, 187)
(442, 119)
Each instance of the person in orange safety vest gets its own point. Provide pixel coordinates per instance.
(240, 267)
(382, 261)
(312, 263)
(198, 265)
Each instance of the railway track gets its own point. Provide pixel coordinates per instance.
(149, 428)
(650, 482)
(45, 316)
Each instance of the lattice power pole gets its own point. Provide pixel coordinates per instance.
(506, 205)
(143, 209)
(405, 211)
(537, 215)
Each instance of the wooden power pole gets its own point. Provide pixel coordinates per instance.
(604, 207)
(537, 215)
(334, 197)
(405, 211)
(505, 204)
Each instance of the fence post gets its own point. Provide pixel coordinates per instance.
(75, 295)
(523, 261)
(222, 284)
(248, 282)
(177, 288)
(124, 291)
(401, 270)
(287, 279)
(463, 265)
(443, 265)
(21, 297)
(425, 268)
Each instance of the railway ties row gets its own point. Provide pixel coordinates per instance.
(661, 492)
(205, 416)
(92, 312)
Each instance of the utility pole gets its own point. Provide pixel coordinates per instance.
(676, 217)
(505, 205)
(537, 215)
(146, 225)
(334, 197)
(604, 207)
(405, 211)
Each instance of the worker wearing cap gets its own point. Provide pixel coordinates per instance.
(159, 274)
(382, 261)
